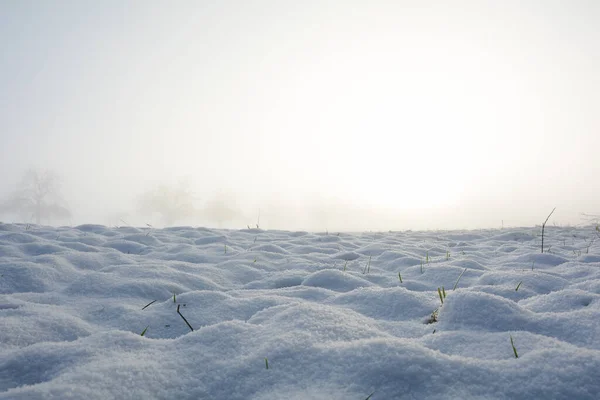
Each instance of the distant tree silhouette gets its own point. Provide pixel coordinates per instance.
(221, 209)
(37, 197)
(172, 203)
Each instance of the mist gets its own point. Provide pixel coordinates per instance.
(324, 116)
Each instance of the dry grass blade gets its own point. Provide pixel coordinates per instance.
(186, 321)
(149, 304)
(544, 227)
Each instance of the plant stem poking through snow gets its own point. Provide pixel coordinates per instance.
(433, 317)
(186, 321)
(512, 343)
(518, 286)
(442, 294)
(544, 227)
(369, 396)
(460, 276)
(149, 304)
(367, 267)
(400, 277)
(144, 331)
(266, 363)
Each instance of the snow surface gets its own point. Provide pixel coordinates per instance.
(327, 311)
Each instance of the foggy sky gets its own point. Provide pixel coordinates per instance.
(338, 115)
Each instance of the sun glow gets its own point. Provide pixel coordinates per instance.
(406, 106)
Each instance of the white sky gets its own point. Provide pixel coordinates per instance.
(421, 114)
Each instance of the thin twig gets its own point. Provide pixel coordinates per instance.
(186, 321)
(149, 304)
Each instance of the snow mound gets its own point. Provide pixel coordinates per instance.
(93, 312)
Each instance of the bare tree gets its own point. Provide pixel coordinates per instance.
(37, 196)
(220, 209)
(172, 203)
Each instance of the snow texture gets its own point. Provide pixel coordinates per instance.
(326, 311)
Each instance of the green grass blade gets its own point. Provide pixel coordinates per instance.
(512, 343)
(460, 276)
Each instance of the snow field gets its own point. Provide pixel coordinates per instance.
(328, 312)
